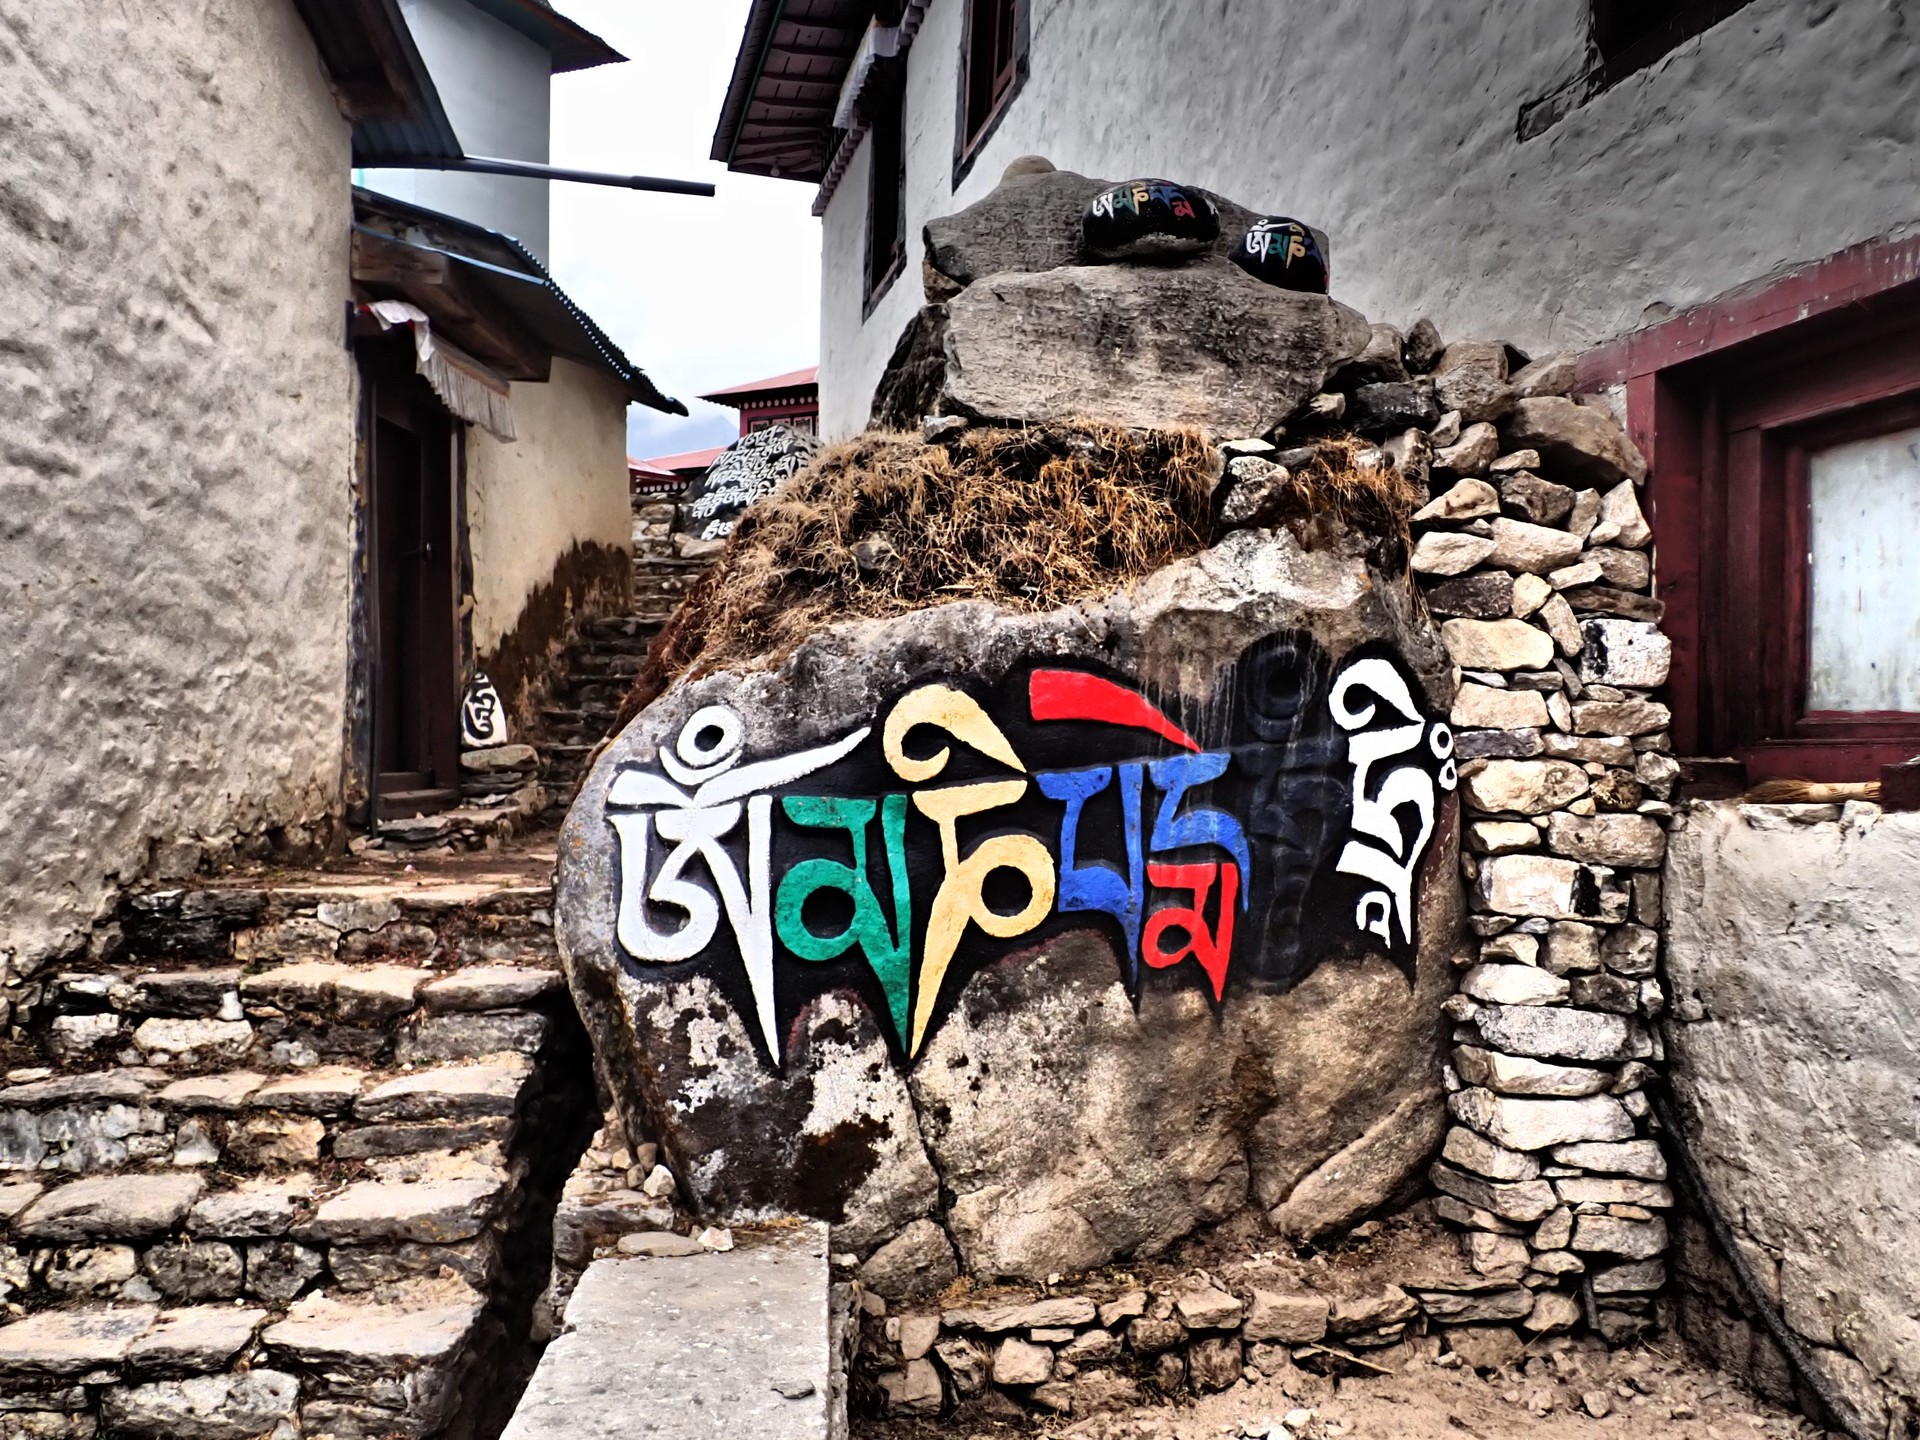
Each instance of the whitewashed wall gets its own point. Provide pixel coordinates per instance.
(562, 484)
(1784, 133)
(176, 443)
(496, 85)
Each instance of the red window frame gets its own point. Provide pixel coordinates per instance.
(1727, 401)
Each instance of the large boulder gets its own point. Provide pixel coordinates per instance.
(1061, 931)
(1032, 222)
(1143, 346)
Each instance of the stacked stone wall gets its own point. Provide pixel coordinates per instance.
(281, 1160)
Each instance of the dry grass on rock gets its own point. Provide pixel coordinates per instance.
(1031, 519)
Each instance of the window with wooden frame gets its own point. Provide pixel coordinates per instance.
(884, 105)
(1783, 432)
(1630, 35)
(993, 63)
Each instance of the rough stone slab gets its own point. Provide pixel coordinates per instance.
(301, 985)
(209, 1407)
(711, 1346)
(1539, 1124)
(326, 1090)
(127, 1087)
(420, 1326)
(59, 1343)
(110, 1207)
(1577, 443)
(1040, 1314)
(490, 987)
(415, 1137)
(470, 1036)
(1276, 1315)
(256, 1209)
(451, 1092)
(436, 1212)
(1639, 1158)
(1545, 1033)
(1520, 1075)
(211, 1092)
(194, 1340)
(1203, 344)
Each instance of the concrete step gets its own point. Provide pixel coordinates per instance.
(695, 1347)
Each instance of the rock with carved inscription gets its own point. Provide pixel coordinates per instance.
(1066, 933)
(750, 469)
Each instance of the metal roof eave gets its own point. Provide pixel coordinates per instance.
(572, 45)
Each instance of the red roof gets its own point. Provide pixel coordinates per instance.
(792, 380)
(666, 466)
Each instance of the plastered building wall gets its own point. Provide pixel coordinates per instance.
(1779, 135)
(496, 86)
(176, 445)
(533, 501)
(1794, 959)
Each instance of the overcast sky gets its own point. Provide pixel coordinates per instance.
(700, 293)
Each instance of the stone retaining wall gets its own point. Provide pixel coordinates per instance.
(281, 1160)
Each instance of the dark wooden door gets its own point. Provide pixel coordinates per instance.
(416, 696)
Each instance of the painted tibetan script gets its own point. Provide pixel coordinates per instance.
(1233, 842)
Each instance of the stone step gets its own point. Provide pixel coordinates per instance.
(709, 1346)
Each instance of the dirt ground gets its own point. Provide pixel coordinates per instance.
(1654, 1391)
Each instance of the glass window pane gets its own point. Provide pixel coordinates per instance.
(1865, 630)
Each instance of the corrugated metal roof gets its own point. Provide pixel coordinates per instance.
(511, 275)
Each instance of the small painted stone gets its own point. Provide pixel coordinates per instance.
(1286, 253)
(1148, 220)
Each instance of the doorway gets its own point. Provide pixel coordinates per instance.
(413, 578)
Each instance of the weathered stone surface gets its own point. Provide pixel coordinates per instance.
(1471, 453)
(1070, 1127)
(375, 1267)
(54, 1344)
(195, 1269)
(1278, 1315)
(1534, 549)
(1627, 569)
(471, 1036)
(1612, 1190)
(1625, 652)
(378, 994)
(1016, 1362)
(1537, 501)
(211, 1092)
(1094, 341)
(220, 1041)
(1521, 1075)
(1641, 1158)
(194, 1340)
(1525, 787)
(451, 1092)
(253, 1209)
(1501, 1257)
(109, 1207)
(1526, 1124)
(1345, 1188)
(1513, 985)
(278, 1270)
(915, 1263)
(1610, 1235)
(1637, 840)
(1478, 394)
(490, 987)
(1213, 1363)
(1487, 596)
(263, 1141)
(1486, 1347)
(579, 1225)
(1550, 888)
(1647, 1275)
(1391, 408)
(1497, 644)
(1064, 1310)
(433, 1211)
(1466, 500)
(1473, 1151)
(208, 1407)
(1481, 707)
(1445, 552)
(128, 1085)
(419, 1324)
(187, 994)
(412, 1137)
(1520, 1201)
(1577, 443)
(1551, 1032)
(323, 1090)
(1621, 522)
(1620, 717)
(1477, 1307)
(1206, 1308)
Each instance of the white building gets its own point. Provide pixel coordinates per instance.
(1560, 171)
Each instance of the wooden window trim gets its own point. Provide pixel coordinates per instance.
(970, 136)
(885, 102)
(1726, 401)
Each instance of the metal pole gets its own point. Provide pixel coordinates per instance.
(527, 170)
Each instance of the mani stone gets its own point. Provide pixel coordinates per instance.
(1636, 840)
(1576, 442)
(1144, 346)
(1538, 1124)
(1624, 652)
(1056, 1126)
(1552, 1033)
(1497, 645)
(109, 1207)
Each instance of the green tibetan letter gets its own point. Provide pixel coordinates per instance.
(888, 951)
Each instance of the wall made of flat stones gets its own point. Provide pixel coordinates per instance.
(281, 1161)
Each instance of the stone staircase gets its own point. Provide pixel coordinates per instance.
(283, 1157)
